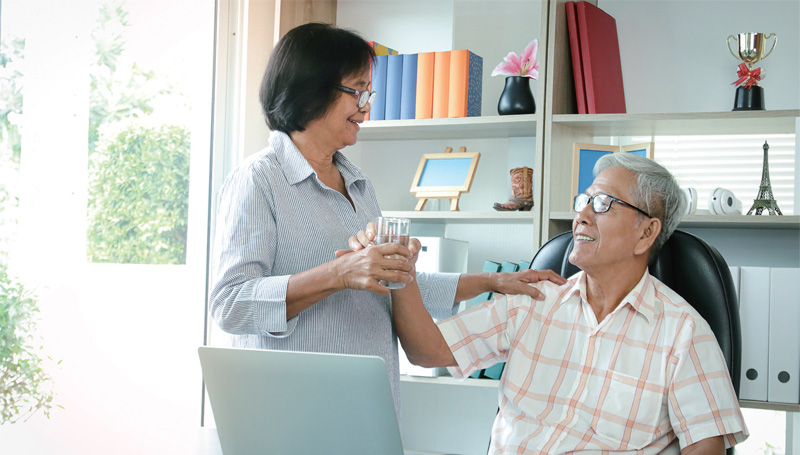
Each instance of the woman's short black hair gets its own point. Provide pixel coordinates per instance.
(303, 71)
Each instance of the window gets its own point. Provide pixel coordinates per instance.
(105, 132)
(731, 162)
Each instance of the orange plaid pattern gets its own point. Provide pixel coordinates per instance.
(650, 378)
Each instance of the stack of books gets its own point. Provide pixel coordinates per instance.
(596, 65)
(443, 84)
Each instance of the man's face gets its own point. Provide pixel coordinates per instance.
(608, 241)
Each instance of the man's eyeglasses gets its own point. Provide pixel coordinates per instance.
(601, 203)
(363, 96)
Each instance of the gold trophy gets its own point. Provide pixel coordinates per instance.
(752, 48)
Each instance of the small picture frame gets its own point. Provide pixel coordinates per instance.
(444, 175)
(584, 157)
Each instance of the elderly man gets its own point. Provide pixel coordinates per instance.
(612, 361)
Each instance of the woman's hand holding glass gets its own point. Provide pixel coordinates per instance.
(393, 253)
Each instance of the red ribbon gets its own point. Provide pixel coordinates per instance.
(747, 77)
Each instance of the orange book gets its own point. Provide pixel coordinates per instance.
(466, 74)
(424, 108)
(441, 84)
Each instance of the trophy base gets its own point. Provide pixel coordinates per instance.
(751, 99)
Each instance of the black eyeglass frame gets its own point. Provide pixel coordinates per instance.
(599, 197)
(361, 100)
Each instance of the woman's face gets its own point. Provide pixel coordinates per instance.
(340, 124)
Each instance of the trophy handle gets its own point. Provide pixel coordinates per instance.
(728, 42)
(774, 42)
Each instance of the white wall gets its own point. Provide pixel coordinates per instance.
(674, 56)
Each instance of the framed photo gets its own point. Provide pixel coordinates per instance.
(445, 172)
(584, 157)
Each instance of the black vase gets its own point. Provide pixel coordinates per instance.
(516, 97)
(749, 99)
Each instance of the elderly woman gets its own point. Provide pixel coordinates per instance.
(284, 213)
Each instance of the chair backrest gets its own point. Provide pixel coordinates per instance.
(690, 267)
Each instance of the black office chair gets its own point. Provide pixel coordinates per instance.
(690, 267)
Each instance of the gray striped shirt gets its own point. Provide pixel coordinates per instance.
(275, 219)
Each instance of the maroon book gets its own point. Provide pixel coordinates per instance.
(575, 51)
(602, 71)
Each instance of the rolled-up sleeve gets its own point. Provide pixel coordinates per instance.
(246, 298)
(438, 291)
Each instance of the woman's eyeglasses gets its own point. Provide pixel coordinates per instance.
(363, 96)
(601, 203)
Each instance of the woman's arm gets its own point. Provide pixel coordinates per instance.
(473, 284)
(362, 271)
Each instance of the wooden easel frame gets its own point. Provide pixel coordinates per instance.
(439, 184)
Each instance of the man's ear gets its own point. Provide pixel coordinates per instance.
(649, 231)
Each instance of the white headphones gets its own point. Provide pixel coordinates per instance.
(724, 202)
(691, 200)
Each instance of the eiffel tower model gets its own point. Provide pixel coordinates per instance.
(765, 199)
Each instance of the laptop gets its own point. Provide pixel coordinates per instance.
(287, 403)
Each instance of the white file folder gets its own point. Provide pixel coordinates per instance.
(784, 338)
(754, 313)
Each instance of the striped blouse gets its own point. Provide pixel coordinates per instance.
(276, 218)
(647, 378)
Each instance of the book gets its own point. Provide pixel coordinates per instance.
(441, 84)
(408, 90)
(394, 75)
(379, 68)
(380, 49)
(424, 106)
(602, 69)
(575, 53)
(466, 80)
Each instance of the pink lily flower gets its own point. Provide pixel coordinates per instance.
(525, 65)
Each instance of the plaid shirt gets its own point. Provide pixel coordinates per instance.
(648, 376)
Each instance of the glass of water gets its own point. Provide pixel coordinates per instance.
(392, 230)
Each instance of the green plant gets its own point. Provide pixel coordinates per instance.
(25, 387)
(139, 196)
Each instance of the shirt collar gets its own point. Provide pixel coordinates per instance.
(640, 297)
(297, 168)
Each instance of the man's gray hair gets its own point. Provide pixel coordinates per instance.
(657, 191)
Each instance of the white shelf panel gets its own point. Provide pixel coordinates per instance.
(696, 123)
(439, 217)
(445, 128)
(791, 222)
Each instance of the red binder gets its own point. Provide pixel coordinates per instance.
(602, 70)
(575, 51)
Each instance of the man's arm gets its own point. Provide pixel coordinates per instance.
(708, 446)
(422, 341)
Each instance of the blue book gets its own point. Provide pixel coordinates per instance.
(508, 267)
(379, 70)
(494, 371)
(524, 265)
(408, 92)
(394, 76)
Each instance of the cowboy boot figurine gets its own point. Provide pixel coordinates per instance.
(522, 188)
